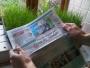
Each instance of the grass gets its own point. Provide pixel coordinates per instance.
(65, 16)
(69, 17)
(15, 16)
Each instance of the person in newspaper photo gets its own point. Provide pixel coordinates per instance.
(19, 59)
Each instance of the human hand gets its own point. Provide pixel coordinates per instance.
(74, 31)
(19, 59)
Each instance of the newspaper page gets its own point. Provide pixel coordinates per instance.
(37, 34)
(45, 40)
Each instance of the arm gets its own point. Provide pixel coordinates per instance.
(86, 39)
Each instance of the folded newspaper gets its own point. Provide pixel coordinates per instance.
(46, 40)
(37, 34)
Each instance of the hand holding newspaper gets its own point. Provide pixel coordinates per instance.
(48, 43)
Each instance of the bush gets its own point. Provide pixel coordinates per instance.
(15, 16)
(69, 17)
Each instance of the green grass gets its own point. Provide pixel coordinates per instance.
(69, 17)
(65, 16)
(15, 16)
(44, 6)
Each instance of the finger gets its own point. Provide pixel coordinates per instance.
(70, 24)
(67, 25)
(62, 24)
(12, 53)
(67, 28)
(18, 49)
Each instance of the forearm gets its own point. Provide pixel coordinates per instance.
(30, 65)
(86, 39)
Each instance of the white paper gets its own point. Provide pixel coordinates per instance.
(4, 46)
(3, 38)
(1, 27)
(2, 32)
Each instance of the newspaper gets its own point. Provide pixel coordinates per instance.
(37, 34)
(47, 42)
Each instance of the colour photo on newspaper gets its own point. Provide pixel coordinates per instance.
(38, 33)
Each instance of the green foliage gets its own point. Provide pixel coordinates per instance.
(66, 16)
(43, 6)
(69, 17)
(15, 16)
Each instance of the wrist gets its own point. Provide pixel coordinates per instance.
(86, 39)
(30, 65)
(79, 40)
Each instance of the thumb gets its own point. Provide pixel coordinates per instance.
(13, 54)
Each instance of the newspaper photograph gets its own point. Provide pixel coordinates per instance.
(38, 33)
